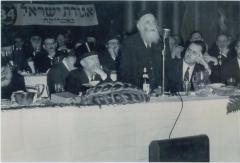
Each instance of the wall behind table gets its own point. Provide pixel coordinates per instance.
(210, 17)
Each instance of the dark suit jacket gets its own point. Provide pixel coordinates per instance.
(17, 83)
(20, 61)
(75, 80)
(57, 74)
(43, 62)
(174, 75)
(135, 56)
(108, 63)
(217, 71)
(231, 69)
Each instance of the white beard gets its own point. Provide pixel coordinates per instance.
(150, 36)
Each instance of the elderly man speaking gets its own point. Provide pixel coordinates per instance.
(141, 50)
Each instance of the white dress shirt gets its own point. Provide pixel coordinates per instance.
(191, 68)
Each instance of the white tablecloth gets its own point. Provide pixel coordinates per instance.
(116, 133)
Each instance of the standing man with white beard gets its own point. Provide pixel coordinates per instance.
(140, 50)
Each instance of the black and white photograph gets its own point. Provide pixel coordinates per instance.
(120, 81)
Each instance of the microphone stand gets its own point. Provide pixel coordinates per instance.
(166, 33)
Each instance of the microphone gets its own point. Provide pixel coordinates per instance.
(166, 33)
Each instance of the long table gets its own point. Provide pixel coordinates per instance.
(117, 133)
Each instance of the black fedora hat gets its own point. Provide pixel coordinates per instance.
(84, 51)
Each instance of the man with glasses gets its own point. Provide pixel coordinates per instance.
(49, 57)
(184, 70)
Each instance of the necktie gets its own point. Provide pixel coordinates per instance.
(186, 75)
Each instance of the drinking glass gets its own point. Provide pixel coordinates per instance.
(186, 87)
(58, 87)
(231, 81)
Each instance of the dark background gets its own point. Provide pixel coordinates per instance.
(191, 15)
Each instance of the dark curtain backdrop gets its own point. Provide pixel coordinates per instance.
(182, 17)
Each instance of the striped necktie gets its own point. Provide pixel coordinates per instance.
(186, 75)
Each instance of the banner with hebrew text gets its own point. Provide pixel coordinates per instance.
(49, 14)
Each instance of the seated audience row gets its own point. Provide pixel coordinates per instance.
(71, 67)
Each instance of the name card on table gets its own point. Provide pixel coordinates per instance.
(33, 80)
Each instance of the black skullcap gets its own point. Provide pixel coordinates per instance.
(36, 33)
(112, 35)
(142, 13)
(49, 35)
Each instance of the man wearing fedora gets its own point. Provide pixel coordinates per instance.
(141, 50)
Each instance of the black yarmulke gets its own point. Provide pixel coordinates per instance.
(112, 35)
(142, 13)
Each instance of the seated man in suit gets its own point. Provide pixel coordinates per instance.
(90, 70)
(198, 36)
(58, 73)
(11, 81)
(49, 57)
(109, 59)
(7, 47)
(19, 57)
(32, 50)
(223, 54)
(183, 70)
(232, 68)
